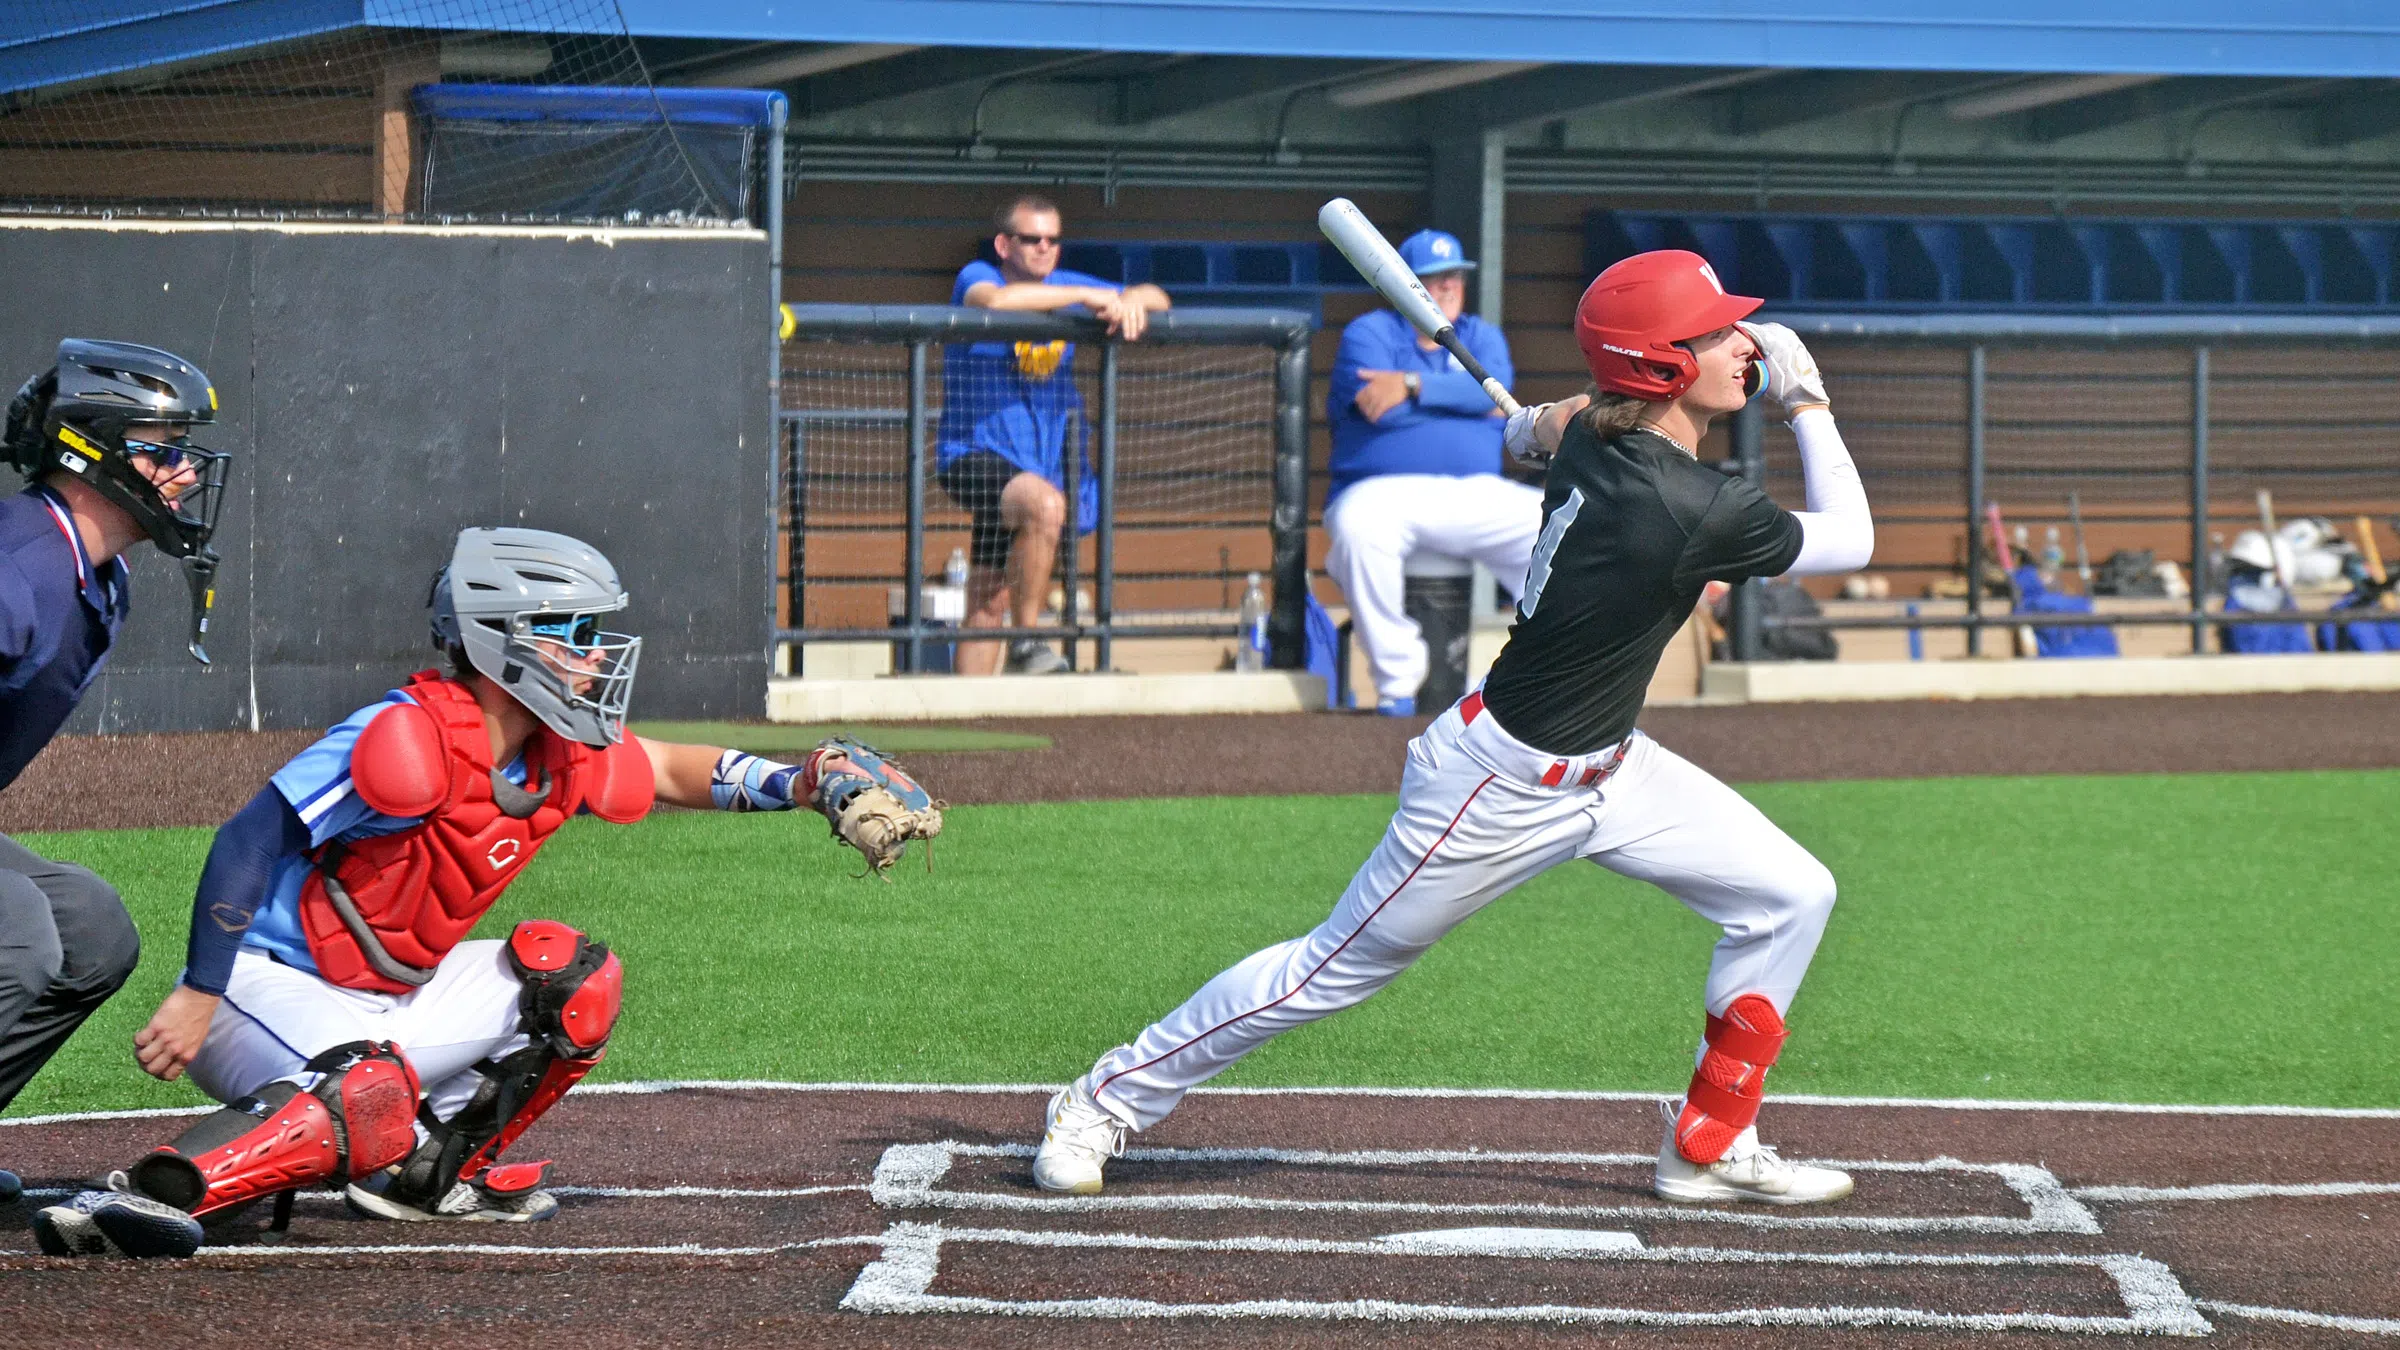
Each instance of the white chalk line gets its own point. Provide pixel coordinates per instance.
(901, 1283)
(2373, 1326)
(272, 1250)
(655, 1087)
(907, 1177)
(2235, 1191)
(599, 1192)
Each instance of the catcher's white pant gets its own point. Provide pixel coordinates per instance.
(1480, 813)
(276, 1018)
(1377, 522)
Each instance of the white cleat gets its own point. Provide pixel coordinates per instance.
(1078, 1139)
(1749, 1171)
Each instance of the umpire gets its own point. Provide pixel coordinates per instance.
(102, 440)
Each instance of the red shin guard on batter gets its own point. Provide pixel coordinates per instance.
(359, 1117)
(1730, 1083)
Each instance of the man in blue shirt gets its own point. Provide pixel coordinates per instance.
(1009, 412)
(1416, 467)
(102, 440)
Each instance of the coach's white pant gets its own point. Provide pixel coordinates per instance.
(1376, 523)
(1475, 820)
(275, 1019)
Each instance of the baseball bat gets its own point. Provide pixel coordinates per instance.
(2266, 521)
(2373, 557)
(2026, 643)
(1376, 260)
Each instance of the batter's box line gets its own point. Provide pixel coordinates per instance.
(901, 1282)
(908, 1177)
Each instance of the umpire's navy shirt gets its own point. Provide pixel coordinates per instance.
(58, 616)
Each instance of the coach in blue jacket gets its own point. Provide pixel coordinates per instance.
(1416, 467)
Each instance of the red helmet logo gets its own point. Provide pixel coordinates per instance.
(1633, 314)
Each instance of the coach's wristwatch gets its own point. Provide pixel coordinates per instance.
(1414, 383)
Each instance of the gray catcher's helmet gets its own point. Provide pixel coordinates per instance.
(525, 606)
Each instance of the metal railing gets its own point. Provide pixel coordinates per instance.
(1979, 334)
(924, 331)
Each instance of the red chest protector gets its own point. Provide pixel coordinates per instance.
(381, 913)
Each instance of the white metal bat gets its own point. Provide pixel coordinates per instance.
(1380, 264)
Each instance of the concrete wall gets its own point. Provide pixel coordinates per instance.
(384, 387)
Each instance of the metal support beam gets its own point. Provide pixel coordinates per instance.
(2369, 111)
(1563, 91)
(782, 65)
(1470, 200)
(2171, 99)
(1214, 81)
(1810, 95)
(1431, 77)
(2027, 95)
(915, 72)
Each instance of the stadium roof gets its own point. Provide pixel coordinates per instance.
(46, 45)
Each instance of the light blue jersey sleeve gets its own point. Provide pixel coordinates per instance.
(317, 780)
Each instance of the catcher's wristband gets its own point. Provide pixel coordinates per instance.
(745, 782)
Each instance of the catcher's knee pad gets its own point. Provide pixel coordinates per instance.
(573, 987)
(1726, 1089)
(360, 1115)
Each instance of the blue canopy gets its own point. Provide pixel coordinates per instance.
(581, 103)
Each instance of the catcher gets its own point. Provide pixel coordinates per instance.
(327, 997)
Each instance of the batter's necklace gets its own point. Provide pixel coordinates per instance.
(1653, 429)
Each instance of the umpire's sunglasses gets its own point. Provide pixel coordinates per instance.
(167, 454)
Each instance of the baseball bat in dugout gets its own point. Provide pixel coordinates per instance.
(1349, 230)
(2373, 557)
(2026, 643)
(2083, 556)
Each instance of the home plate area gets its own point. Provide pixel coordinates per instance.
(764, 1214)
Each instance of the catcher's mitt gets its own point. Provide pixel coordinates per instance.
(872, 805)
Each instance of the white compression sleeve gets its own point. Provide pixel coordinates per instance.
(1837, 532)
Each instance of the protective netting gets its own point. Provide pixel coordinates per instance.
(1194, 485)
(357, 120)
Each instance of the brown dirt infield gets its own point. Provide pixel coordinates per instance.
(775, 1266)
(85, 782)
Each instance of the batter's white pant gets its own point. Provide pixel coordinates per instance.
(1480, 813)
(276, 1018)
(1377, 522)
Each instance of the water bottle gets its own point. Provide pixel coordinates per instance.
(1251, 655)
(2054, 557)
(955, 571)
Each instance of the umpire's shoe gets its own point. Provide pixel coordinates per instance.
(1078, 1139)
(1748, 1171)
(116, 1222)
(509, 1194)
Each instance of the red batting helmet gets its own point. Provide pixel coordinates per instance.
(1633, 314)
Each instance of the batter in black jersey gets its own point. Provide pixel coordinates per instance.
(1542, 765)
(1632, 529)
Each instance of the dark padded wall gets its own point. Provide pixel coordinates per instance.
(383, 389)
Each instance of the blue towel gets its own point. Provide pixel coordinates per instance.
(2040, 599)
(1324, 650)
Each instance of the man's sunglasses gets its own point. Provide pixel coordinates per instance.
(167, 454)
(1030, 240)
(577, 632)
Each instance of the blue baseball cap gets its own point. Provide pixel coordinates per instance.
(1433, 252)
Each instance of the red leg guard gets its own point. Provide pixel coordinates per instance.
(552, 1085)
(360, 1116)
(1727, 1088)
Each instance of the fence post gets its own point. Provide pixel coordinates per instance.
(795, 544)
(914, 579)
(1070, 539)
(1975, 460)
(778, 113)
(1749, 451)
(2199, 495)
(1287, 625)
(1104, 566)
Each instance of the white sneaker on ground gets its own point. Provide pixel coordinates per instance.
(116, 1221)
(1078, 1139)
(1031, 656)
(1749, 1171)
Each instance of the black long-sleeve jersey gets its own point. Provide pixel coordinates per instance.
(1632, 530)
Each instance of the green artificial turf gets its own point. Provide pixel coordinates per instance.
(766, 738)
(2204, 938)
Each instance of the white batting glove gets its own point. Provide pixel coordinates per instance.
(1524, 448)
(1793, 380)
